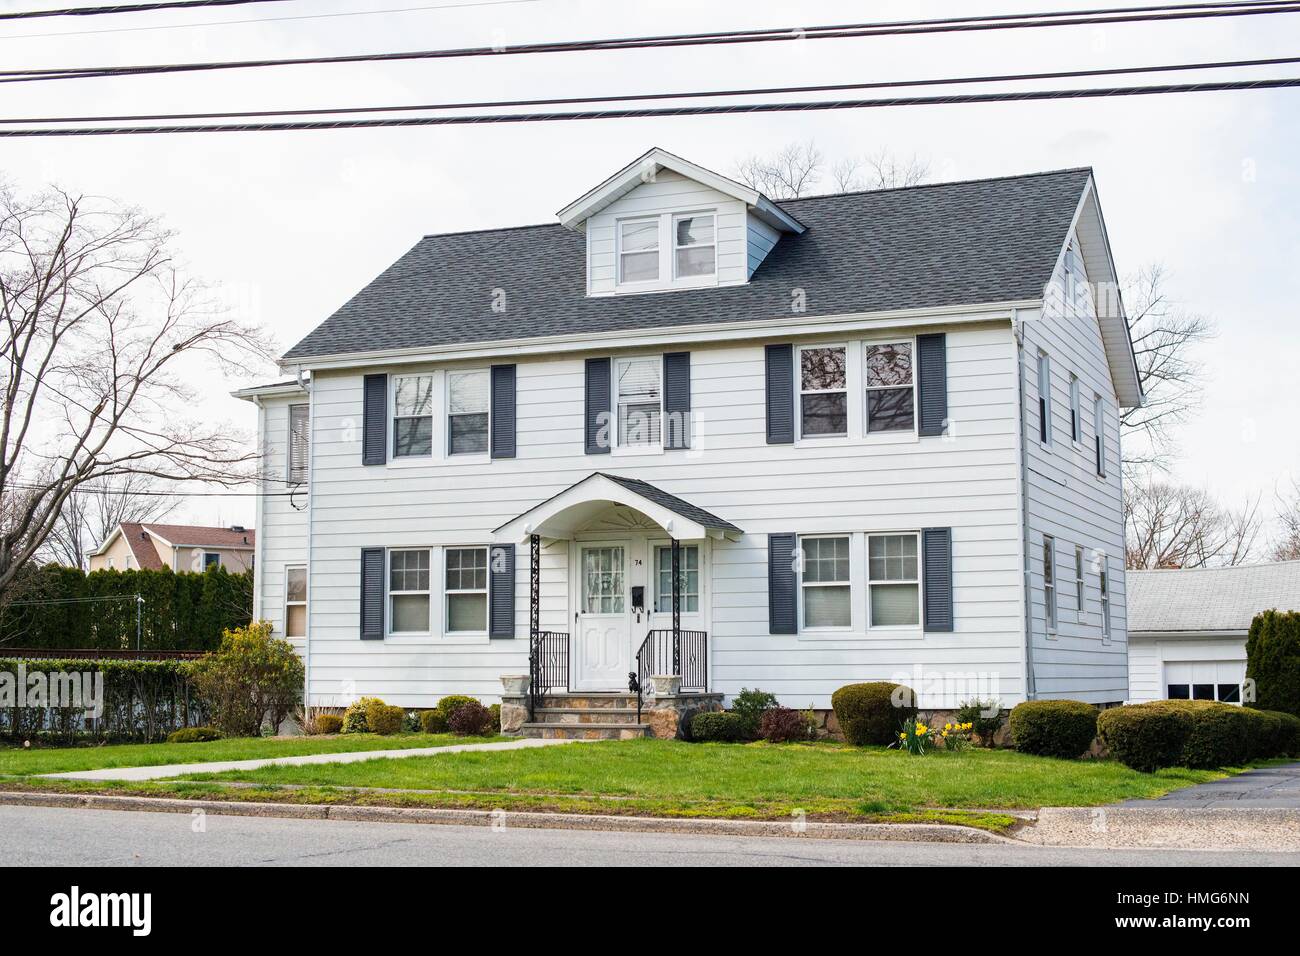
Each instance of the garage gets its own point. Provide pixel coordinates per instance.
(1205, 680)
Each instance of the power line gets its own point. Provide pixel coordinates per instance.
(126, 8)
(683, 94)
(646, 113)
(895, 28)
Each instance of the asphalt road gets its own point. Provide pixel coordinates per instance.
(36, 836)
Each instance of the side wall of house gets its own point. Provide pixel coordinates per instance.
(1149, 657)
(968, 481)
(1070, 502)
(282, 516)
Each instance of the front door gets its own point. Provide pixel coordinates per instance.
(604, 637)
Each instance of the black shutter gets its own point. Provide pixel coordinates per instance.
(374, 431)
(677, 400)
(501, 597)
(782, 599)
(596, 408)
(936, 560)
(372, 594)
(503, 411)
(932, 383)
(780, 394)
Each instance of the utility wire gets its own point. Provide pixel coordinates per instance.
(646, 113)
(126, 8)
(895, 28)
(684, 94)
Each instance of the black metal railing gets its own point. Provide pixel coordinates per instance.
(548, 666)
(686, 656)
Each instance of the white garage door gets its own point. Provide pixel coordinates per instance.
(1205, 680)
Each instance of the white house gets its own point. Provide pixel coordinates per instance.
(1188, 628)
(877, 432)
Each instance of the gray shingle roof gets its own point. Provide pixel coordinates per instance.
(949, 244)
(672, 503)
(1209, 599)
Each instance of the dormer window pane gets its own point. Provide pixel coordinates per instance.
(695, 246)
(639, 251)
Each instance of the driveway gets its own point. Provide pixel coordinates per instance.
(1268, 788)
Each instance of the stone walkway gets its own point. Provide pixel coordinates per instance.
(220, 766)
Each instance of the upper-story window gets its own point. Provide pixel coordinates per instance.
(639, 401)
(1044, 398)
(298, 443)
(412, 416)
(467, 412)
(823, 392)
(890, 388)
(1076, 411)
(1099, 435)
(638, 250)
(695, 251)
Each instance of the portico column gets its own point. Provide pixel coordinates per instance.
(677, 607)
(534, 586)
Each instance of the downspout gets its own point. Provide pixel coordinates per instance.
(258, 553)
(305, 384)
(1017, 332)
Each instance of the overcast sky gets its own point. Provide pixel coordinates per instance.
(290, 225)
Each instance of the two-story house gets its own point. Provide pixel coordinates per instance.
(875, 434)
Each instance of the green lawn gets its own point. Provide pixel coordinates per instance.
(17, 760)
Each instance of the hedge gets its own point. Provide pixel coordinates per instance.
(1053, 728)
(181, 611)
(144, 701)
(724, 726)
(1200, 734)
(1145, 737)
(872, 713)
(1273, 661)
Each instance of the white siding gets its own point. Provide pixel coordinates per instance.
(968, 481)
(669, 192)
(1148, 659)
(1067, 500)
(282, 517)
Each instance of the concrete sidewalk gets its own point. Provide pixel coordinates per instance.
(221, 766)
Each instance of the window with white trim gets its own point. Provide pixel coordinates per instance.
(639, 401)
(298, 442)
(1080, 596)
(688, 573)
(1099, 435)
(1076, 411)
(824, 582)
(1103, 583)
(638, 250)
(295, 601)
(1049, 582)
(891, 399)
(467, 589)
(467, 412)
(1044, 398)
(412, 416)
(695, 248)
(823, 391)
(408, 591)
(893, 580)
(211, 559)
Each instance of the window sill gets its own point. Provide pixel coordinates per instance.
(476, 458)
(872, 636)
(628, 451)
(411, 462)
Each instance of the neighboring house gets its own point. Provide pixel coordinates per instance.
(1187, 628)
(876, 432)
(181, 547)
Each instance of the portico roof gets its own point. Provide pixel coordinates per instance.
(561, 515)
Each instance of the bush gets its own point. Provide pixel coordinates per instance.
(872, 713)
(495, 711)
(433, 722)
(384, 719)
(749, 706)
(190, 735)
(1288, 734)
(1145, 737)
(250, 680)
(354, 718)
(972, 712)
(781, 724)
(327, 724)
(1273, 661)
(1053, 728)
(1220, 735)
(447, 706)
(1262, 735)
(470, 719)
(718, 725)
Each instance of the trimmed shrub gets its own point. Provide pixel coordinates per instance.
(470, 719)
(1288, 741)
(872, 713)
(722, 726)
(749, 706)
(1053, 728)
(1220, 735)
(495, 711)
(972, 712)
(448, 704)
(781, 724)
(1145, 737)
(251, 680)
(1262, 734)
(433, 721)
(354, 718)
(191, 735)
(1273, 661)
(327, 723)
(384, 719)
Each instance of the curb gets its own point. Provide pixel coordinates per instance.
(905, 832)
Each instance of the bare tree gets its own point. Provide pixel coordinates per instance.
(1164, 339)
(1173, 526)
(796, 169)
(99, 334)
(1287, 545)
(879, 170)
(92, 513)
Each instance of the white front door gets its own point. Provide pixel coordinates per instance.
(604, 638)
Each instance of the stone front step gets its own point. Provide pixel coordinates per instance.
(585, 731)
(585, 715)
(592, 701)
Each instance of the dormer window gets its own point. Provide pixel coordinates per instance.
(667, 250)
(695, 246)
(638, 250)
